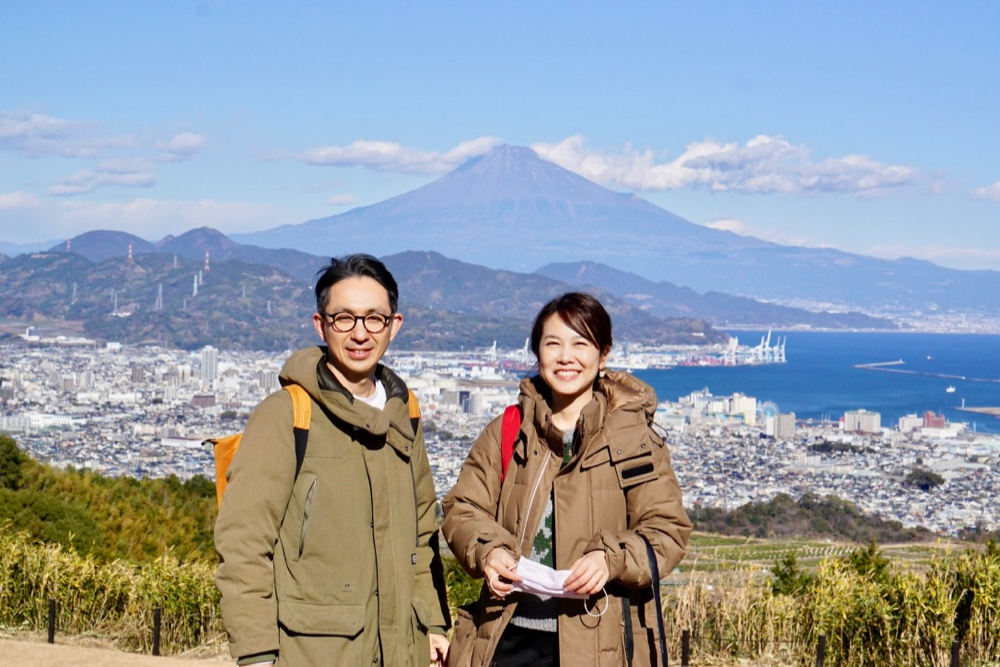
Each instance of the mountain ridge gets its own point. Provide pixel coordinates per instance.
(152, 299)
(668, 300)
(680, 303)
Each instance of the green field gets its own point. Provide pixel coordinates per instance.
(753, 557)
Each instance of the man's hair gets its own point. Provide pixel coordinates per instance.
(354, 266)
(582, 313)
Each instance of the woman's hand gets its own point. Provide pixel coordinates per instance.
(589, 574)
(500, 572)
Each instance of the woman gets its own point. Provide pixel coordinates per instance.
(588, 479)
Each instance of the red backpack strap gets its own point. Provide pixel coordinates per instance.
(508, 436)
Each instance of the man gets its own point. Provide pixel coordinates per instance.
(335, 563)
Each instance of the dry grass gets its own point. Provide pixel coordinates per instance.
(113, 601)
(904, 613)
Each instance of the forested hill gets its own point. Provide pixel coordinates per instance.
(809, 516)
(166, 300)
(109, 517)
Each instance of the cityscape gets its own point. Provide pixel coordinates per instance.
(146, 411)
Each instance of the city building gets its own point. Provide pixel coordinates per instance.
(910, 423)
(780, 426)
(745, 406)
(932, 420)
(862, 421)
(209, 364)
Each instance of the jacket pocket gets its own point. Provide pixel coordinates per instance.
(633, 462)
(420, 645)
(343, 620)
(306, 511)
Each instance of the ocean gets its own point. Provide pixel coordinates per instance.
(819, 379)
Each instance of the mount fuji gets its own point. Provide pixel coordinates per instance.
(511, 209)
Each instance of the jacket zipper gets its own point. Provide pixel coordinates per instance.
(534, 491)
(531, 500)
(307, 510)
(416, 509)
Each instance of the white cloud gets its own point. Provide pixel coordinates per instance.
(989, 192)
(764, 165)
(183, 146)
(959, 257)
(108, 173)
(38, 134)
(41, 219)
(18, 199)
(390, 156)
(729, 225)
(743, 229)
(341, 200)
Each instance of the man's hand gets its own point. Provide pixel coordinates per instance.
(589, 574)
(499, 571)
(439, 650)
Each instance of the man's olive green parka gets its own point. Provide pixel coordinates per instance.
(332, 566)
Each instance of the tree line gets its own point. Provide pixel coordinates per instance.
(107, 517)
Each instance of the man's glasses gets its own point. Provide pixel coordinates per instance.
(345, 322)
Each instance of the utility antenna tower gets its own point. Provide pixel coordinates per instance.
(206, 261)
(73, 299)
(159, 298)
(114, 299)
(69, 245)
(130, 260)
(201, 278)
(194, 290)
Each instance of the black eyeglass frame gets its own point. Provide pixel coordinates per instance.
(383, 320)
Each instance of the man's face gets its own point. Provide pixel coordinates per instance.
(354, 354)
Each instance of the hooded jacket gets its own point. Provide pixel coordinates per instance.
(327, 566)
(618, 484)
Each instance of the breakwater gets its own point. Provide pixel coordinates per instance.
(884, 367)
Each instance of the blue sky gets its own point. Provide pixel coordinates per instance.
(869, 127)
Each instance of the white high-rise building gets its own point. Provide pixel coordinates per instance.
(862, 421)
(209, 364)
(784, 426)
(741, 404)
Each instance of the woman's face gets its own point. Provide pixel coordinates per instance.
(567, 362)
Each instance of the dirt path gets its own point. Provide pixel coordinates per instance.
(28, 653)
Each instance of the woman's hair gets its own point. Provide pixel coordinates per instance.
(583, 314)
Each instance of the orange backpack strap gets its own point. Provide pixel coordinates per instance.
(301, 414)
(301, 406)
(223, 450)
(414, 406)
(509, 429)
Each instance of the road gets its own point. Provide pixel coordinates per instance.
(28, 653)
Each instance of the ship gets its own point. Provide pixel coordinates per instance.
(950, 389)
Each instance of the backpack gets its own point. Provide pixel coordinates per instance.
(509, 429)
(225, 448)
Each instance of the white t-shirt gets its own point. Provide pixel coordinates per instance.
(376, 400)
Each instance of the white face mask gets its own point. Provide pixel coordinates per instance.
(541, 579)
